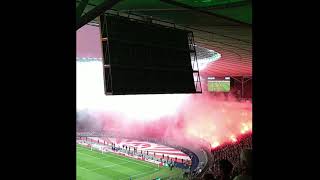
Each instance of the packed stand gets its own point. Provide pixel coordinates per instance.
(236, 156)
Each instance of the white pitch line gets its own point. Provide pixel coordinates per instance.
(98, 158)
(107, 166)
(133, 162)
(90, 155)
(139, 174)
(84, 168)
(119, 159)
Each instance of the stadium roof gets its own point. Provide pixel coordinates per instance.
(221, 25)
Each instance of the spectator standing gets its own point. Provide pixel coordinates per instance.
(246, 165)
(225, 169)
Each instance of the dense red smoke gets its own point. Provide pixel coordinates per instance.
(216, 119)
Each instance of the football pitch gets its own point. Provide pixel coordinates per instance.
(93, 165)
(219, 86)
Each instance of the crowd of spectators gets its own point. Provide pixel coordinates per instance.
(232, 161)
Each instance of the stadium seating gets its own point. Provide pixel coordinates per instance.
(201, 158)
(231, 152)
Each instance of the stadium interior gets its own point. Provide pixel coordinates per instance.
(203, 135)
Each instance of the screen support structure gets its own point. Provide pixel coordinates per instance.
(194, 62)
(242, 80)
(95, 12)
(106, 55)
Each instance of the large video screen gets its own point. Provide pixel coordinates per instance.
(216, 84)
(145, 58)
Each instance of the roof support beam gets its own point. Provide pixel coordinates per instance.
(214, 7)
(228, 5)
(178, 4)
(95, 12)
(80, 8)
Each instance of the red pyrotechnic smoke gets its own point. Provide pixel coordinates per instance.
(215, 119)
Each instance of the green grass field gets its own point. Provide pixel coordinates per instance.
(219, 86)
(93, 165)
